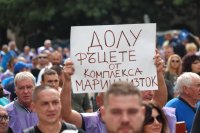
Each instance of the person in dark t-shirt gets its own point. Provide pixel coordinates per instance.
(47, 105)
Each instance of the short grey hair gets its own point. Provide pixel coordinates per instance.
(185, 79)
(24, 75)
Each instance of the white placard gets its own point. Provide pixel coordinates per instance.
(105, 54)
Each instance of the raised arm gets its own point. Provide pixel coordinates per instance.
(160, 96)
(67, 113)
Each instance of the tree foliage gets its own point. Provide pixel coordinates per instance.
(53, 19)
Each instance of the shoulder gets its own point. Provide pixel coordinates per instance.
(30, 130)
(9, 107)
(69, 127)
(93, 115)
(41, 48)
(173, 102)
(66, 125)
(89, 118)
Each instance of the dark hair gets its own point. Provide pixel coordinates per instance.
(148, 114)
(121, 88)
(187, 62)
(48, 72)
(58, 69)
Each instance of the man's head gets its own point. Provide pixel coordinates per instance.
(50, 77)
(43, 59)
(12, 45)
(47, 105)
(24, 86)
(47, 43)
(26, 50)
(188, 86)
(123, 111)
(99, 99)
(4, 118)
(147, 95)
(59, 70)
(56, 58)
(168, 49)
(5, 48)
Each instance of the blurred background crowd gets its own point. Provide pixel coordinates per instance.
(36, 38)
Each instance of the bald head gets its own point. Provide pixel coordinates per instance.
(39, 89)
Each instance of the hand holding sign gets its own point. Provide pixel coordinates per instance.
(159, 62)
(68, 69)
(105, 54)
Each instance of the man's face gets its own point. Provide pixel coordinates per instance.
(43, 59)
(56, 59)
(3, 121)
(168, 51)
(147, 95)
(47, 44)
(51, 80)
(99, 99)
(24, 90)
(26, 50)
(48, 106)
(123, 114)
(193, 91)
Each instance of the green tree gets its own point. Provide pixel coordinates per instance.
(35, 20)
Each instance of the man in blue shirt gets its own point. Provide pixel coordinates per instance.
(188, 88)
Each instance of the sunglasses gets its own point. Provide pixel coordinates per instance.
(4, 117)
(152, 119)
(40, 57)
(177, 61)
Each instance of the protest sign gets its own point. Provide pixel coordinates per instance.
(105, 54)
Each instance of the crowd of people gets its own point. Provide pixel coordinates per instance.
(36, 94)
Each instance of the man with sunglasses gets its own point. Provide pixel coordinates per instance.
(54, 58)
(4, 119)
